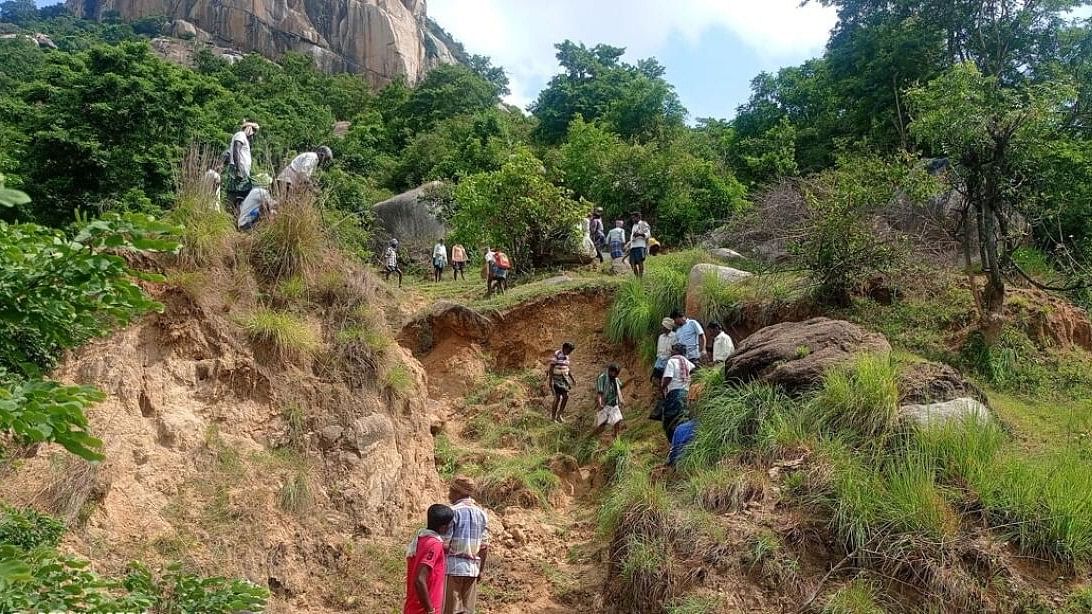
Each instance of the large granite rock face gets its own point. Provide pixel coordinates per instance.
(379, 39)
(796, 355)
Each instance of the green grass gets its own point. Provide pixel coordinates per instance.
(888, 507)
(696, 604)
(861, 398)
(447, 457)
(295, 422)
(1043, 504)
(857, 597)
(376, 340)
(399, 379)
(731, 420)
(284, 333)
(206, 233)
(522, 481)
(637, 504)
(724, 489)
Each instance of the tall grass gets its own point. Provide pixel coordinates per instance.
(206, 231)
(524, 481)
(962, 451)
(731, 420)
(285, 334)
(888, 510)
(290, 242)
(636, 503)
(857, 597)
(1043, 504)
(861, 398)
(632, 316)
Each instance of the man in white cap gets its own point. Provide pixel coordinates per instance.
(300, 170)
(240, 162)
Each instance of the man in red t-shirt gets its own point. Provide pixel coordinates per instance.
(426, 566)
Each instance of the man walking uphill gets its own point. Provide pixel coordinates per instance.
(239, 163)
(675, 386)
(466, 550)
(638, 244)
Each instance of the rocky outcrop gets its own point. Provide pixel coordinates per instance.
(796, 355)
(379, 39)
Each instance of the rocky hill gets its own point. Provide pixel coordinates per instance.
(379, 39)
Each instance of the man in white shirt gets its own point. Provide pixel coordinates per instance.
(722, 344)
(638, 244)
(675, 387)
(257, 204)
(240, 162)
(487, 271)
(300, 170)
(439, 260)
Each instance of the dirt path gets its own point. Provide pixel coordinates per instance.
(547, 557)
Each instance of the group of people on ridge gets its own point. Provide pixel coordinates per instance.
(446, 559)
(635, 250)
(495, 269)
(249, 196)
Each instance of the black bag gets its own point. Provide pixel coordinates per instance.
(657, 413)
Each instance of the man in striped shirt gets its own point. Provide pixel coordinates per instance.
(561, 380)
(467, 548)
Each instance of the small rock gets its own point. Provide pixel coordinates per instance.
(349, 459)
(140, 456)
(518, 536)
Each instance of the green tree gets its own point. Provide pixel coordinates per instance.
(18, 12)
(989, 130)
(517, 209)
(636, 101)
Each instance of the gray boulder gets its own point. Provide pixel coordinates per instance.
(725, 254)
(180, 28)
(413, 218)
(957, 410)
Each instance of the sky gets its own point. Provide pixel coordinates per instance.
(710, 48)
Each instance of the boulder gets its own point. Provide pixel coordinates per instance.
(380, 40)
(796, 355)
(180, 28)
(725, 254)
(932, 382)
(956, 410)
(699, 274)
(413, 218)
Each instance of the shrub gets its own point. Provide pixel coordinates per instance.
(284, 333)
(28, 529)
(290, 242)
(860, 399)
(179, 592)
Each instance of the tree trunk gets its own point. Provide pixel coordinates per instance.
(992, 307)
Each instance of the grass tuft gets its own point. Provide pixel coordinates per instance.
(285, 334)
(861, 398)
(731, 419)
(290, 242)
(295, 495)
(857, 597)
(399, 379)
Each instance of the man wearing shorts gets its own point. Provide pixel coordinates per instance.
(458, 261)
(561, 380)
(638, 244)
(608, 398)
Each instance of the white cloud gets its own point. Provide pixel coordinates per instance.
(520, 34)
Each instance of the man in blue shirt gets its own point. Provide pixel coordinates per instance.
(690, 334)
(684, 434)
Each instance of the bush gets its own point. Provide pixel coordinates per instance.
(637, 504)
(290, 242)
(206, 231)
(28, 529)
(860, 399)
(285, 334)
(524, 481)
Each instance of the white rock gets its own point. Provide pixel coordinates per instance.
(943, 413)
(699, 274)
(725, 254)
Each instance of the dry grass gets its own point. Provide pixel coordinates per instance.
(71, 492)
(291, 242)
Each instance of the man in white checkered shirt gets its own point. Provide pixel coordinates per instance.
(467, 548)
